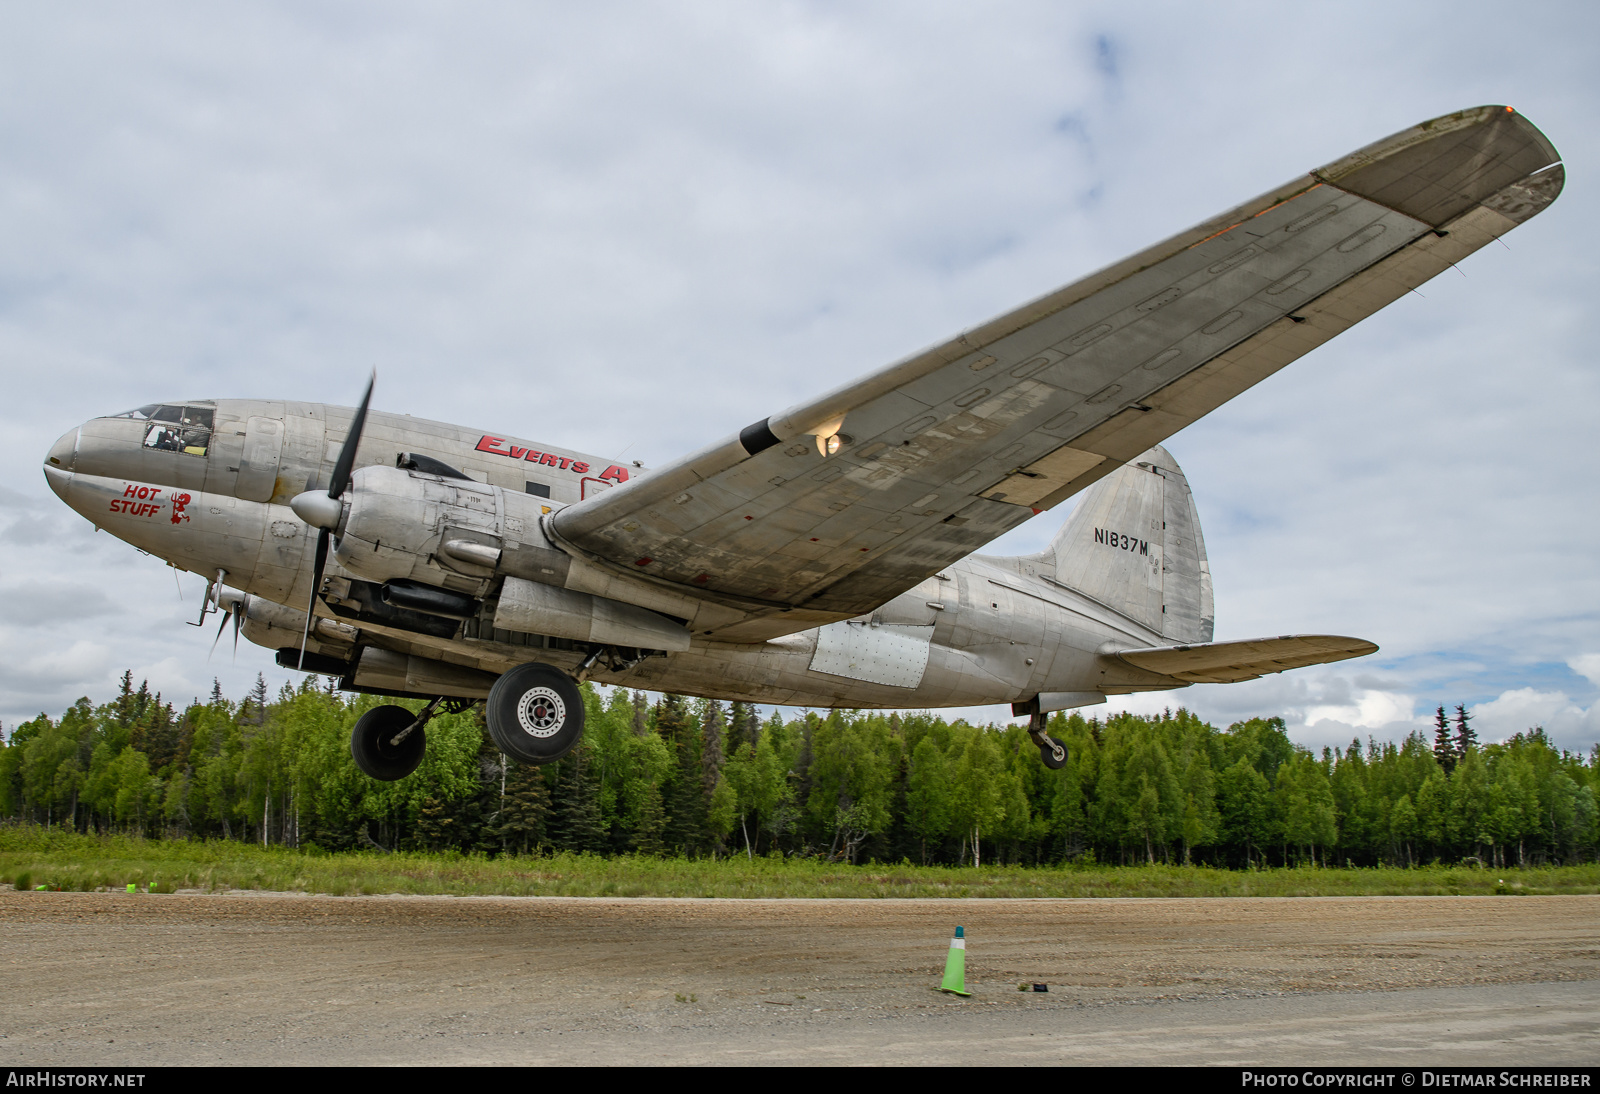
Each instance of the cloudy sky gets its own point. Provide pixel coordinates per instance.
(637, 227)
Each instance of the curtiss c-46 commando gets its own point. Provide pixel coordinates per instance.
(822, 556)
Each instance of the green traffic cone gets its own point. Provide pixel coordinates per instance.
(955, 966)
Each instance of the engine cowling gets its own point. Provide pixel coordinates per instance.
(402, 527)
(395, 522)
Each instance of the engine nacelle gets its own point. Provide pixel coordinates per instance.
(396, 520)
(545, 609)
(402, 527)
(276, 626)
(406, 674)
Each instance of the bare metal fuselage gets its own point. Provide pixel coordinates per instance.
(985, 630)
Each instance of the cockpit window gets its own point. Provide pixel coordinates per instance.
(163, 412)
(184, 429)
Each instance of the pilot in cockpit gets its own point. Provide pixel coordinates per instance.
(175, 428)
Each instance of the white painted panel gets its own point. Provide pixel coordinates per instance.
(893, 655)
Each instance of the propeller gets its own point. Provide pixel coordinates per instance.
(234, 612)
(323, 510)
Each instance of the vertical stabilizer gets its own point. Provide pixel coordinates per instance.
(1134, 544)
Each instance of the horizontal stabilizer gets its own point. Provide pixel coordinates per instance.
(1230, 662)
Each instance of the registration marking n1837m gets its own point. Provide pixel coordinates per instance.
(1122, 542)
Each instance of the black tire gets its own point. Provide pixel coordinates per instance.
(370, 747)
(535, 714)
(1046, 754)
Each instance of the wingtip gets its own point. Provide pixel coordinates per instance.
(1440, 168)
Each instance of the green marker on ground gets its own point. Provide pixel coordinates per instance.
(955, 966)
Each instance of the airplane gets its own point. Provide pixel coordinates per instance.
(823, 556)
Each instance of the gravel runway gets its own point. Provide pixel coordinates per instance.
(114, 979)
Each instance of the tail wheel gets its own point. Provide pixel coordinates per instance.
(535, 713)
(1053, 753)
(372, 743)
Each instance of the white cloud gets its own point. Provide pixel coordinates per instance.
(1520, 709)
(1586, 665)
(1369, 710)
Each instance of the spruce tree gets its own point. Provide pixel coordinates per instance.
(258, 701)
(804, 761)
(684, 796)
(744, 727)
(125, 703)
(1466, 737)
(157, 735)
(580, 803)
(1443, 750)
(652, 821)
(435, 825)
(520, 825)
(141, 699)
(711, 747)
(641, 714)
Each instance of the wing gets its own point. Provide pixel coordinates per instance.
(1231, 662)
(944, 451)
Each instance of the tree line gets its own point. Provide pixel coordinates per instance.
(669, 775)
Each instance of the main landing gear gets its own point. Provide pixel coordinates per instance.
(535, 716)
(535, 713)
(387, 742)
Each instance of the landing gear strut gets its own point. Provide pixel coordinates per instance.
(535, 713)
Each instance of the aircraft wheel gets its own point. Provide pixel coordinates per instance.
(1053, 753)
(535, 713)
(372, 747)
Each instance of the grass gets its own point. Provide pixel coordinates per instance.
(31, 857)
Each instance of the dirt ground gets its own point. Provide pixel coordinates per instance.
(117, 979)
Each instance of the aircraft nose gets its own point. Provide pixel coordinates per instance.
(63, 454)
(60, 482)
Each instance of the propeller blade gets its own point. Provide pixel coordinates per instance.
(347, 454)
(311, 510)
(316, 585)
(238, 625)
(226, 613)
